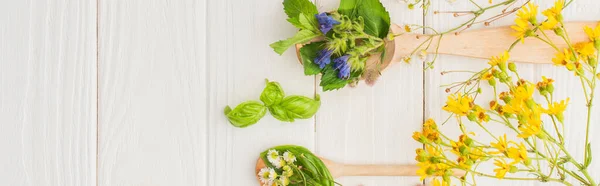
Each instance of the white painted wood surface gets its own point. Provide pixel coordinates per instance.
(48, 93)
(154, 85)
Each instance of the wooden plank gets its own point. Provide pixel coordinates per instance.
(48, 92)
(373, 125)
(152, 99)
(240, 59)
(566, 84)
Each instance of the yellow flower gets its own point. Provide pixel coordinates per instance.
(557, 109)
(430, 131)
(528, 13)
(563, 58)
(521, 30)
(501, 146)
(440, 182)
(593, 34)
(502, 169)
(585, 49)
(550, 24)
(554, 12)
(523, 92)
(518, 154)
(458, 104)
(499, 60)
(424, 169)
(481, 115)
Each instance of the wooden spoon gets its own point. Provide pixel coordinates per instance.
(479, 43)
(338, 169)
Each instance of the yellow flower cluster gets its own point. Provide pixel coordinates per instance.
(534, 144)
(430, 133)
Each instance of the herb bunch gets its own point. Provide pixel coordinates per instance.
(293, 165)
(337, 44)
(534, 148)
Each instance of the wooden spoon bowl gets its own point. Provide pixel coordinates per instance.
(480, 43)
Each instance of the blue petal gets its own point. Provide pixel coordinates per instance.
(323, 58)
(325, 22)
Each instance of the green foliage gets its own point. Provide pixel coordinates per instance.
(301, 37)
(300, 107)
(308, 53)
(376, 18)
(245, 114)
(283, 108)
(295, 7)
(280, 113)
(313, 170)
(330, 81)
(272, 94)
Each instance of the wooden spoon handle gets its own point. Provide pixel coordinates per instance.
(378, 170)
(484, 43)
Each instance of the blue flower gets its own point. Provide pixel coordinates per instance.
(341, 63)
(323, 58)
(326, 22)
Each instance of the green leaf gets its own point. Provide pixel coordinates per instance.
(301, 37)
(280, 113)
(376, 18)
(588, 154)
(330, 81)
(308, 53)
(309, 22)
(245, 114)
(272, 94)
(300, 107)
(295, 7)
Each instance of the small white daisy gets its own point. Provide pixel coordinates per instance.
(264, 175)
(272, 174)
(289, 157)
(273, 156)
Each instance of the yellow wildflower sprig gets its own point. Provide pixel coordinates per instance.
(535, 144)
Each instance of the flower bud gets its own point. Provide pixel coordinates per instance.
(597, 44)
(471, 116)
(512, 67)
(593, 62)
(411, 6)
(513, 169)
(492, 82)
(559, 31)
(550, 88)
(598, 75)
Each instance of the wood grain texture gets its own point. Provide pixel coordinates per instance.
(239, 59)
(152, 99)
(566, 84)
(373, 125)
(47, 93)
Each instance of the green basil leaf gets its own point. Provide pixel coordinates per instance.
(272, 94)
(300, 107)
(302, 36)
(245, 114)
(330, 81)
(294, 7)
(376, 18)
(308, 53)
(280, 113)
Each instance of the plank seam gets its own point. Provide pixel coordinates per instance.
(97, 90)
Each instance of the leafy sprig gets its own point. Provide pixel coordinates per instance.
(348, 37)
(284, 108)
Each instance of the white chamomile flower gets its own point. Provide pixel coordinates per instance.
(284, 180)
(273, 156)
(264, 175)
(272, 174)
(289, 157)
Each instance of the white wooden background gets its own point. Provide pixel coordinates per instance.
(131, 92)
